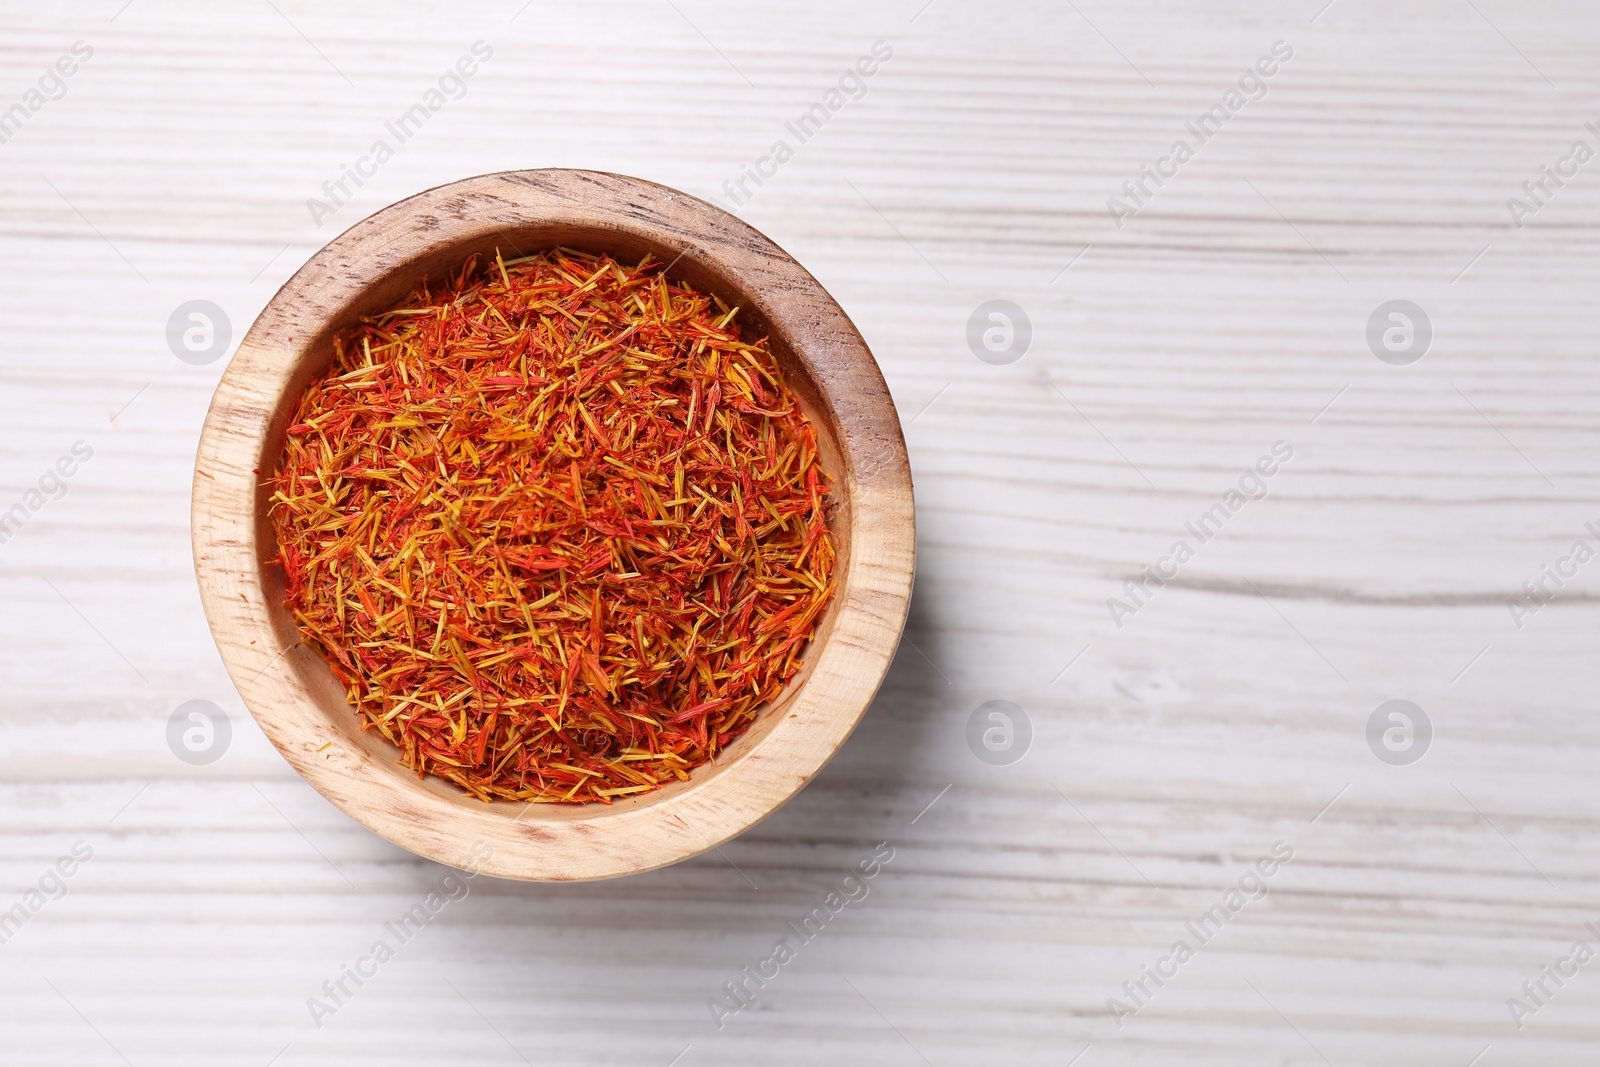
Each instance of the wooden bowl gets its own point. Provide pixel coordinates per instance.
(290, 689)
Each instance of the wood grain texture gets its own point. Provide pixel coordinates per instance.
(1214, 723)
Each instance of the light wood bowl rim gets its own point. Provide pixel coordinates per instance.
(844, 667)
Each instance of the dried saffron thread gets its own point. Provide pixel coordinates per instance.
(556, 526)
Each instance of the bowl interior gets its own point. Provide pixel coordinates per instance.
(392, 287)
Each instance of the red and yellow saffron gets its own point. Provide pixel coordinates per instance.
(558, 528)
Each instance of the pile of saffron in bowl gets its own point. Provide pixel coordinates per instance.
(557, 526)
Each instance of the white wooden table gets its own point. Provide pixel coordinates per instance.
(1228, 713)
